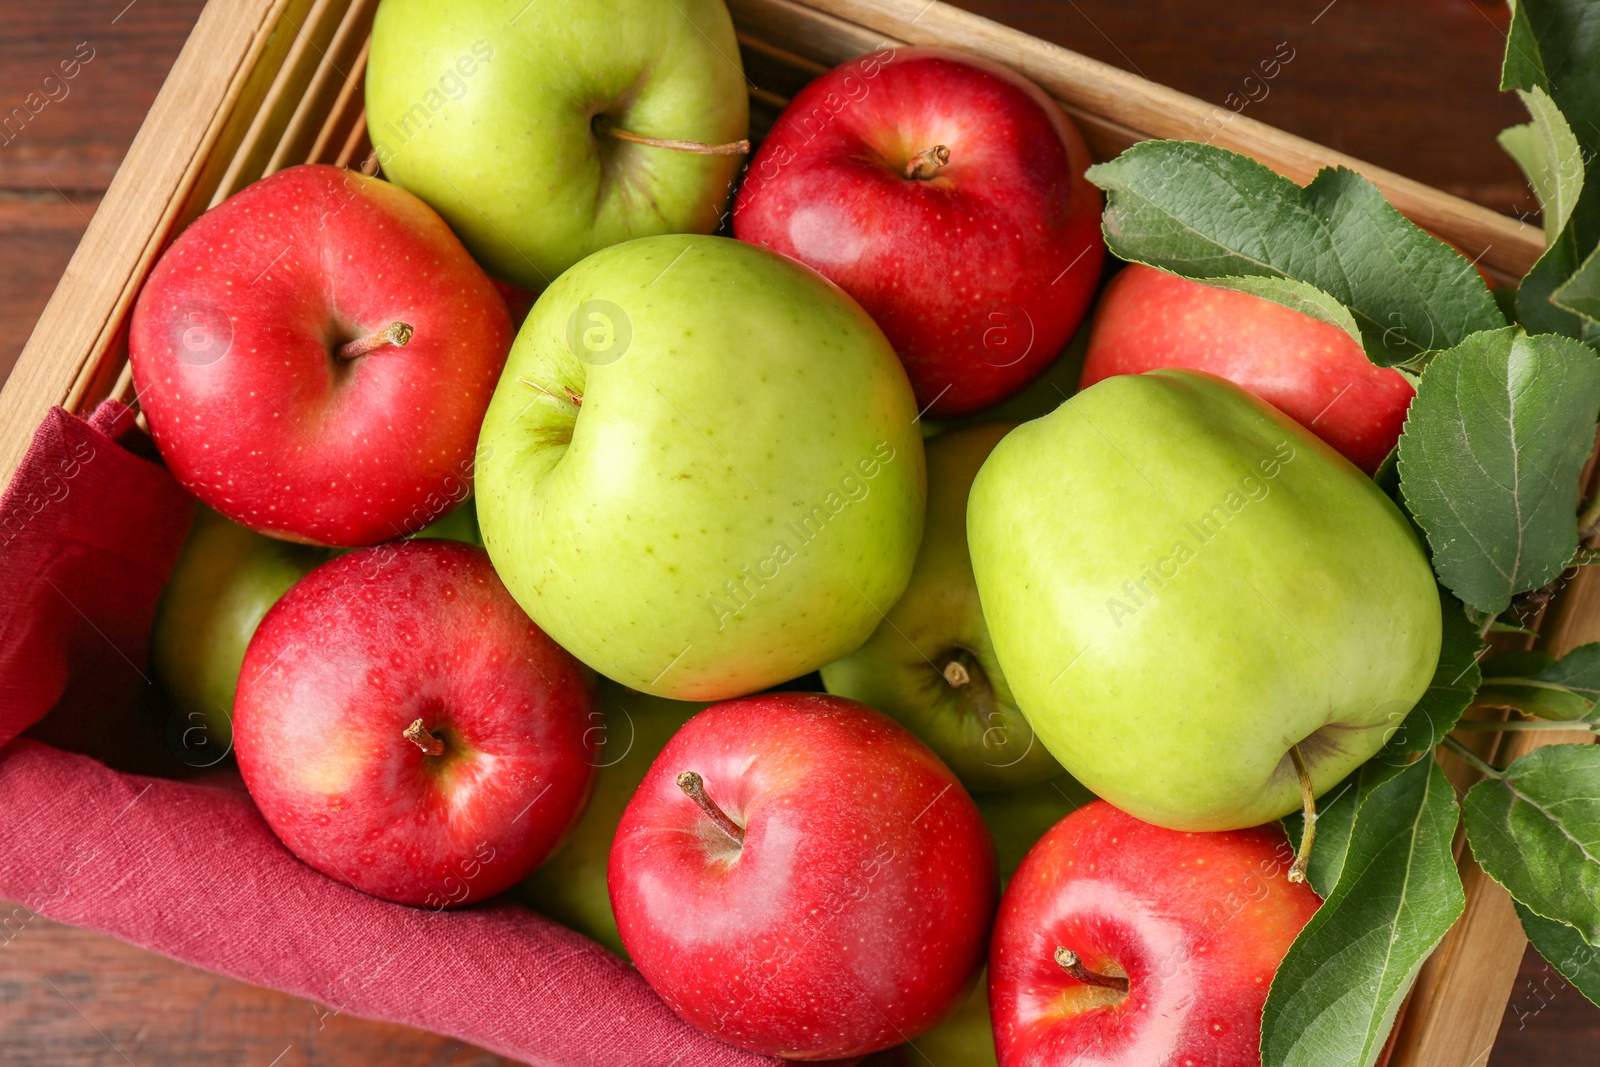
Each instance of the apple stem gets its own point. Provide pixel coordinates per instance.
(418, 735)
(956, 674)
(573, 397)
(1070, 963)
(732, 148)
(396, 333)
(1302, 859)
(695, 786)
(926, 163)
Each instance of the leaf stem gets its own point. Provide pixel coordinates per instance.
(1302, 859)
(1471, 758)
(1527, 683)
(1515, 725)
(1487, 625)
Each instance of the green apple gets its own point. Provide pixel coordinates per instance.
(225, 580)
(571, 887)
(1182, 584)
(508, 118)
(930, 663)
(719, 488)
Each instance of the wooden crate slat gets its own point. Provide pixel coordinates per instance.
(1089, 87)
(348, 112)
(337, 71)
(311, 37)
(1461, 993)
(201, 113)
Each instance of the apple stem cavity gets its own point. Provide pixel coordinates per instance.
(956, 674)
(733, 148)
(926, 163)
(396, 334)
(1069, 962)
(695, 786)
(418, 735)
(1302, 859)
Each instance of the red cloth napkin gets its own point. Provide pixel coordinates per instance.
(89, 531)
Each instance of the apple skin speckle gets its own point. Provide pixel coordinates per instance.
(866, 876)
(978, 275)
(232, 347)
(361, 648)
(1198, 943)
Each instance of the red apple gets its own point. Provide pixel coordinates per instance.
(1121, 944)
(407, 730)
(1313, 372)
(314, 356)
(799, 875)
(946, 194)
(518, 301)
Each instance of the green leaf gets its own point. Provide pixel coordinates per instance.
(1580, 293)
(1578, 670)
(1566, 951)
(1209, 214)
(1549, 155)
(1537, 684)
(1334, 998)
(1455, 680)
(1552, 47)
(1531, 698)
(1490, 457)
(1535, 829)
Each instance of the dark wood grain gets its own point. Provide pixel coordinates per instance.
(1406, 84)
(1411, 85)
(71, 998)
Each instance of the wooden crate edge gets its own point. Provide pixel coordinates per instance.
(1111, 94)
(84, 313)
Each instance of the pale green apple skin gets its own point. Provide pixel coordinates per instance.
(1304, 612)
(743, 490)
(225, 580)
(571, 887)
(484, 110)
(977, 729)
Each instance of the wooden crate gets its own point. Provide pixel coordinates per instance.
(265, 84)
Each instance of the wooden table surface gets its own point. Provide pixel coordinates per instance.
(1407, 84)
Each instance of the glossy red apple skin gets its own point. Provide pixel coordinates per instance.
(232, 346)
(979, 275)
(1197, 923)
(856, 913)
(347, 660)
(1311, 371)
